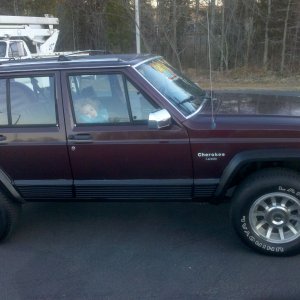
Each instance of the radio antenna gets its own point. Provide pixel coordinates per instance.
(213, 123)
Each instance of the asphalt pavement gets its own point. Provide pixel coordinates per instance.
(137, 251)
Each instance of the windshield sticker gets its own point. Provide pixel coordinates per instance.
(162, 68)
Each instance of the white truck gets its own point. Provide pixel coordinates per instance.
(16, 31)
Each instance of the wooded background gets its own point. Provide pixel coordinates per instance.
(261, 34)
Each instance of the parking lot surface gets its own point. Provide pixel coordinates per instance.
(137, 251)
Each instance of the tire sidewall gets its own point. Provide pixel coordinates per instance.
(3, 220)
(242, 203)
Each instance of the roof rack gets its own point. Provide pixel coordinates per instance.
(67, 57)
(64, 57)
(90, 52)
(74, 57)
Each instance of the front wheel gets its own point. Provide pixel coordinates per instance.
(9, 215)
(266, 211)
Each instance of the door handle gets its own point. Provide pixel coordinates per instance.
(80, 138)
(3, 139)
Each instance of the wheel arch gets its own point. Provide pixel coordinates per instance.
(247, 162)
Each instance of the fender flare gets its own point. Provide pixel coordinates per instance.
(8, 185)
(245, 157)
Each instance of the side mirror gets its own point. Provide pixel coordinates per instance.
(159, 119)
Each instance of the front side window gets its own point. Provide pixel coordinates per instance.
(98, 98)
(107, 99)
(31, 101)
(178, 89)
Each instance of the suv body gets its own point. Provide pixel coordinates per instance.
(155, 136)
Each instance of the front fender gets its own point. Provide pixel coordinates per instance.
(245, 157)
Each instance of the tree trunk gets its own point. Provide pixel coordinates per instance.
(213, 15)
(16, 7)
(249, 28)
(174, 8)
(222, 38)
(284, 37)
(294, 55)
(196, 38)
(249, 33)
(266, 44)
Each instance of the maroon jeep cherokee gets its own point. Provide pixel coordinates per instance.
(127, 127)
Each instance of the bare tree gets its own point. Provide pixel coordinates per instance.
(284, 36)
(222, 38)
(266, 43)
(243, 33)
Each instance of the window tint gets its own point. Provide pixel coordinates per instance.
(31, 100)
(98, 98)
(3, 106)
(140, 106)
(102, 98)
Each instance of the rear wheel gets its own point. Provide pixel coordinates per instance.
(266, 211)
(9, 215)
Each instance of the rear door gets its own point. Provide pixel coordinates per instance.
(33, 152)
(113, 153)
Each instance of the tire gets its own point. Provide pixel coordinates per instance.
(9, 216)
(265, 212)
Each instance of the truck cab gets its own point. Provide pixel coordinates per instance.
(14, 49)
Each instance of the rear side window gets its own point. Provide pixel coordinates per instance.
(29, 101)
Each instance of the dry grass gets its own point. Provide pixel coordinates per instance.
(247, 79)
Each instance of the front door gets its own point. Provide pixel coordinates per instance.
(113, 152)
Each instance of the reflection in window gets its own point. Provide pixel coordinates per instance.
(140, 106)
(178, 89)
(258, 104)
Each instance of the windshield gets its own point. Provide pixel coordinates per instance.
(2, 49)
(179, 90)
